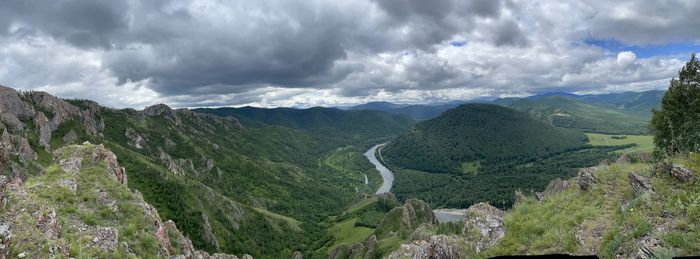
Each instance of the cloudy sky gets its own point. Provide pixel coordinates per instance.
(196, 53)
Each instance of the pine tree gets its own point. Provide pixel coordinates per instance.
(676, 125)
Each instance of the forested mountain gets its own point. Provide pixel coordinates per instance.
(359, 125)
(477, 133)
(570, 113)
(228, 187)
(484, 152)
(637, 103)
(617, 113)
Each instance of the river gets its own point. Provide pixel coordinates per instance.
(387, 175)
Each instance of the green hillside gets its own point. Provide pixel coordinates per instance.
(360, 125)
(228, 187)
(567, 112)
(477, 133)
(636, 103)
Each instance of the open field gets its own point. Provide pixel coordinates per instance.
(645, 143)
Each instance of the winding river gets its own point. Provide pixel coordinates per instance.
(387, 175)
(442, 215)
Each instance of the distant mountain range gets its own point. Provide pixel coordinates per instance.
(614, 113)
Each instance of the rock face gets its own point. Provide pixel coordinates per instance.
(177, 166)
(624, 159)
(586, 180)
(439, 246)
(605, 162)
(11, 103)
(165, 111)
(483, 226)
(209, 233)
(134, 139)
(639, 184)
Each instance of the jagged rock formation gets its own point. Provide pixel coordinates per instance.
(483, 226)
(438, 247)
(639, 184)
(403, 220)
(356, 250)
(134, 139)
(586, 180)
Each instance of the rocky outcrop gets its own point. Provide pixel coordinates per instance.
(50, 113)
(554, 187)
(297, 255)
(73, 158)
(605, 162)
(639, 184)
(103, 237)
(586, 180)
(681, 173)
(177, 166)
(403, 220)
(483, 226)
(12, 104)
(208, 233)
(370, 246)
(438, 247)
(624, 159)
(644, 157)
(165, 111)
(106, 238)
(646, 247)
(677, 171)
(16, 145)
(60, 112)
(134, 139)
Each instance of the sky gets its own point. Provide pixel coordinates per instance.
(270, 53)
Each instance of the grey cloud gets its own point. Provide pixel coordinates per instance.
(83, 23)
(509, 33)
(237, 52)
(647, 22)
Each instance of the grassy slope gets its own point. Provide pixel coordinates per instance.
(570, 113)
(274, 169)
(671, 214)
(643, 143)
(82, 207)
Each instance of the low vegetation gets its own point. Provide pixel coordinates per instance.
(639, 143)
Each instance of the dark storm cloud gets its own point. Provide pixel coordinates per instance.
(269, 51)
(83, 23)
